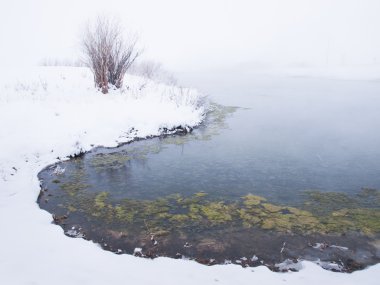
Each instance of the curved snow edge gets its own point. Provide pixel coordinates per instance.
(56, 118)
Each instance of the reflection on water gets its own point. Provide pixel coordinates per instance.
(287, 150)
(224, 165)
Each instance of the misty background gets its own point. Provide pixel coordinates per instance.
(199, 35)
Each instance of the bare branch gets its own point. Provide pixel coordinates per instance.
(107, 53)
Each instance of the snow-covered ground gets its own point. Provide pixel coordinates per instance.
(46, 113)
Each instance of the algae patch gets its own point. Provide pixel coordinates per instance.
(178, 213)
(118, 159)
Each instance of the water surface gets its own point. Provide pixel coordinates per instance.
(290, 141)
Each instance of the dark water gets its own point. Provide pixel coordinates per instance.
(289, 136)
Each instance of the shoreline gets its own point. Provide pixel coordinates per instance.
(32, 243)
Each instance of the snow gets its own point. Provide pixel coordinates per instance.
(289, 265)
(50, 113)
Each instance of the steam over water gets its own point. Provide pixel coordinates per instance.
(300, 132)
(193, 192)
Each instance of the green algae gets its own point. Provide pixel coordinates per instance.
(325, 202)
(364, 220)
(321, 203)
(123, 215)
(217, 212)
(117, 160)
(71, 209)
(179, 213)
(272, 208)
(369, 197)
(248, 218)
(252, 200)
(72, 189)
(179, 218)
(114, 160)
(100, 200)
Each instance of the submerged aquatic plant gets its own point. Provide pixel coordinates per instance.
(178, 213)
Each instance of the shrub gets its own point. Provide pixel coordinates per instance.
(107, 53)
(154, 71)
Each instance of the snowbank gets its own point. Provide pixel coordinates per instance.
(46, 113)
(54, 112)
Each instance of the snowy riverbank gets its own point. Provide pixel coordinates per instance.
(46, 113)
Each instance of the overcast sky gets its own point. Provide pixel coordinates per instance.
(201, 33)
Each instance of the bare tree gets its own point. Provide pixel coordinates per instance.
(107, 53)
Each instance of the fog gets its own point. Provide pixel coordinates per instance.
(297, 132)
(193, 35)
